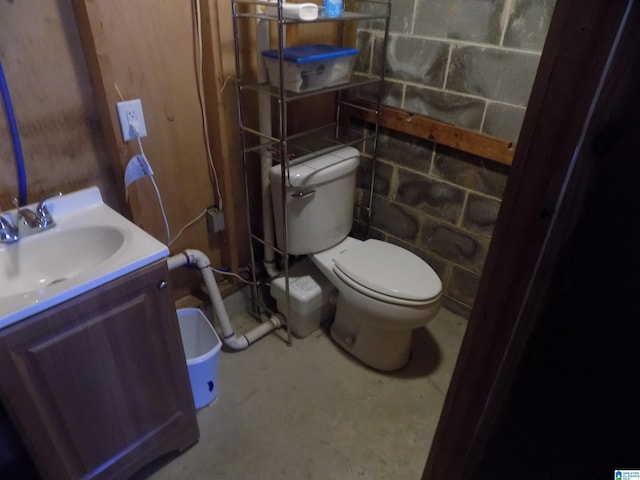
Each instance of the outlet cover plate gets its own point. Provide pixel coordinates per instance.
(130, 112)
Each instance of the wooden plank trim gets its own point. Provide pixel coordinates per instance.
(433, 130)
(103, 80)
(220, 115)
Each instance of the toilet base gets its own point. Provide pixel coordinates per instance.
(380, 348)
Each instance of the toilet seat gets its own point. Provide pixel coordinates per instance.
(388, 273)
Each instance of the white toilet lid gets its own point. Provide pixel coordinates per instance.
(389, 270)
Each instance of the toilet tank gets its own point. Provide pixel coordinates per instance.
(319, 199)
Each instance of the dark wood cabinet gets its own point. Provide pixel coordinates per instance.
(98, 386)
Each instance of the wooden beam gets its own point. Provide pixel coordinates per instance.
(101, 73)
(439, 132)
(220, 94)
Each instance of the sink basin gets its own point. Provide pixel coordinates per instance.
(40, 262)
(90, 245)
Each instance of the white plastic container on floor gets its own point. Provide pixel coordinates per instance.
(201, 346)
(311, 295)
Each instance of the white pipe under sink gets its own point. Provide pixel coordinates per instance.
(199, 259)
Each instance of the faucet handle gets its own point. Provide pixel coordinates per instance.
(43, 211)
(31, 218)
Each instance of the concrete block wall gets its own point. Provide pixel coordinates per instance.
(437, 202)
(470, 63)
(466, 62)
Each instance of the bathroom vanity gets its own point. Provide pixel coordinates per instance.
(94, 376)
(98, 386)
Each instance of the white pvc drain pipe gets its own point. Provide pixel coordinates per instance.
(200, 260)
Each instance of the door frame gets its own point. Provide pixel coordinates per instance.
(548, 184)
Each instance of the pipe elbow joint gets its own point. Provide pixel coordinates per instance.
(236, 343)
(271, 269)
(197, 258)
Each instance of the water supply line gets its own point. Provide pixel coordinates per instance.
(15, 136)
(196, 258)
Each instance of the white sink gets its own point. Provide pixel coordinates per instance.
(90, 245)
(39, 262)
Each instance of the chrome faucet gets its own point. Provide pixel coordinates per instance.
(28, 221)
(8, 231)
(29, 217)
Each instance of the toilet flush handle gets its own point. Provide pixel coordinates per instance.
(301, 194)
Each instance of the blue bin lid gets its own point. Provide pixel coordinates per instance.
(311, 53)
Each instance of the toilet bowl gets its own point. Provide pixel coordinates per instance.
(384, 291)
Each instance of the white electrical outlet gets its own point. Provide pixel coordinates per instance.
(131, 119)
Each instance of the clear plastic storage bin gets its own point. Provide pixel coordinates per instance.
(311, 67)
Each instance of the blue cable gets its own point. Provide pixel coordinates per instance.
(22, 176)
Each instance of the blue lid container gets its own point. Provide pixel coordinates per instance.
(311, 53)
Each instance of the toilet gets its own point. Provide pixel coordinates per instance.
(384, 291)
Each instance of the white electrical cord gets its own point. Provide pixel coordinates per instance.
(164, 215)
(231, 274)
(191, 222)
(201, 98)
(155, 186)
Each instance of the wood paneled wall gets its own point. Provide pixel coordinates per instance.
(145, 50)
(53, 101)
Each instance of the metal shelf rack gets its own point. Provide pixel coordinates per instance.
(287, 147)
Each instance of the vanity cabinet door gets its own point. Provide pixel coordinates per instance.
(98, 386)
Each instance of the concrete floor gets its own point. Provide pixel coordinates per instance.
(311, 411)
